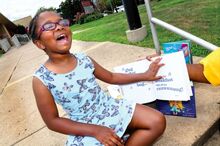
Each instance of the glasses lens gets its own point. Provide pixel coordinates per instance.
(64, 22)
(49, 26)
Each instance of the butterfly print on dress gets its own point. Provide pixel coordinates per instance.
(58, 93)
(94, 91)
(51, 86)
(129, 109)
(85, 106)
(41, 69)
(82, 85)
(88, 65)
(46, 76)
(66, 87)
(78, 97)
(91, 79)
(116, 112)
(104, 114)
(60, 97)
(78, 139)
(70, 76)
(63, 100)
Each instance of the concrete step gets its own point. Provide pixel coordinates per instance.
(214, 140)
(22, 125)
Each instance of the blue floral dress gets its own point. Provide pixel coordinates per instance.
(84, 101)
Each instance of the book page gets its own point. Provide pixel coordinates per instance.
(140, 92)
(178, 108)
(115, 91)
(176, 84)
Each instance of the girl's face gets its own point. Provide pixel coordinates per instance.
(57, 40)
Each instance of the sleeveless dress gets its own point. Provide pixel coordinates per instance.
(84, 101)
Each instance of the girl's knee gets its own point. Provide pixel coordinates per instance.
(148, 118)
(159, 123)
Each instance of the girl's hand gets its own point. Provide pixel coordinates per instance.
(153, 69)
(107, 136)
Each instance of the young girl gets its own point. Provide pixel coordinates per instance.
(70, 80)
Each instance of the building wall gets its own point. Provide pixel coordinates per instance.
(3, 33)
(23, 21)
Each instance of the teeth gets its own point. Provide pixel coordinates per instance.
(61, 36)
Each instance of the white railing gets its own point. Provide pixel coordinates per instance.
(154, 21)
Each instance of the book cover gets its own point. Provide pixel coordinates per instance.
(172, 107)
(178, 108)
(174, 86)
(184, 46)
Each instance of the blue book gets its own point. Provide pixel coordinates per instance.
(179, 108)
(184, 46)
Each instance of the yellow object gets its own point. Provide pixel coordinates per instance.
(119, 97)
(211, 65)
(178, 104)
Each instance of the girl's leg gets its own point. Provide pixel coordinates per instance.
(146, 126)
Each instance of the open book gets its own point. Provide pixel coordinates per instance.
(175, 84)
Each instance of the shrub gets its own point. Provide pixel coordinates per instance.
(91, 17)
(21, 29)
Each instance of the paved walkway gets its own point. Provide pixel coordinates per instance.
(21, 124)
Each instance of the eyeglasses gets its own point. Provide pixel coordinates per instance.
(52, 25)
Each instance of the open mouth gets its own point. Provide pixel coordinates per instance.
(61, 37)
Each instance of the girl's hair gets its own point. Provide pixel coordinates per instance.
(33, 24)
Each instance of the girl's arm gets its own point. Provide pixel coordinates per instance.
(120, 78)
(49, 113)
(195, 72)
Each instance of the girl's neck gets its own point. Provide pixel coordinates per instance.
(59, 59)
(61, 63)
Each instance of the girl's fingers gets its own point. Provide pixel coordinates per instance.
(117, 140)
(158, 77)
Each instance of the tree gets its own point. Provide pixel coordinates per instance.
(101, 5)
(108, 5)
(21, 29)
(116, 2)
(69, 8)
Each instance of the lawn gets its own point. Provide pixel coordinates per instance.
(1, 52)
(199, 17)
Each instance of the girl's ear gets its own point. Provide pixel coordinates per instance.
(39, 44)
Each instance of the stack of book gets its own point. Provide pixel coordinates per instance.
(173, 94)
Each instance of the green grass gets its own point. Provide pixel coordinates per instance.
(1, 52)
(199, 17)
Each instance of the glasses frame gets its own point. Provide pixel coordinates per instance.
(42, 28)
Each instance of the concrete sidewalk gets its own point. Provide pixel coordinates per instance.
(20, 121)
